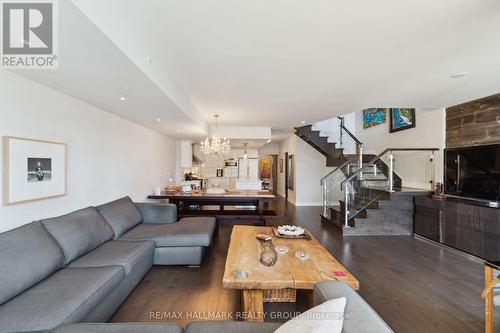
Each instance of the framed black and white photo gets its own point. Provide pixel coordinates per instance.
(32, 170)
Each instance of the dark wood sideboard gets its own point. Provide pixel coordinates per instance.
(464, 225)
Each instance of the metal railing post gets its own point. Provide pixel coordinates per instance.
(360, 161)
(324, 199)
(346, 204)
(433, 170)
(391, 170)
(341, 130)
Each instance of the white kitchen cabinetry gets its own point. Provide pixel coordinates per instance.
(248, 168)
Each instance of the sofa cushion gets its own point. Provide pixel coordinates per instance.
(65, 297)
(27, 256)
(360, 317)
(230, 327)
(120, 328)
(117, 252)
(193, 231)
(157, 212)
(79, 232)
(122, 215)
(327, 317)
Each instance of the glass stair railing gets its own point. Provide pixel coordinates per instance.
(353, 187)
(331, 183)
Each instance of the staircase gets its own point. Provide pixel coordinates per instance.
(389, 214)
(363, 194)
(335, 155)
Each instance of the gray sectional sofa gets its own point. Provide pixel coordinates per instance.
(69, 274)
(80, 267)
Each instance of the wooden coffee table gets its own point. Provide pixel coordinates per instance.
(287, 275)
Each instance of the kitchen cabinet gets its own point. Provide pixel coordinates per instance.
(248, 168)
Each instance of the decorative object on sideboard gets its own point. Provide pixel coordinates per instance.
(374, 116)
(439, 191)
(32, 170)
(401, 119)
(170, 188)
(158, 190)
(186, 188)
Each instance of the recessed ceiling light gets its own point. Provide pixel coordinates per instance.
(458, 75)
(268, 141)
(302, 121)
(149, 59)
(158, 119)
(123, 98)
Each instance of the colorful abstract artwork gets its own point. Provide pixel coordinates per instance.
(401, 119)
(373, 117)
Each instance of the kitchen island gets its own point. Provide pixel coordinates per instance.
(239, 206)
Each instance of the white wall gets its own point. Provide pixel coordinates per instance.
(287, 145)
(331, 129)
(429, 133)
(271, 148)
(310, 167)
(107, 156)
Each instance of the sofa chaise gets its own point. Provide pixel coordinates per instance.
(80, 267)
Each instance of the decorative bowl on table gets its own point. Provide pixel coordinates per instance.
(291, 231)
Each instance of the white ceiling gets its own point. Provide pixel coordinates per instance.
(277, 62)
(93, 69)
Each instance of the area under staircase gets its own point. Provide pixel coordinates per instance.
(364, 194)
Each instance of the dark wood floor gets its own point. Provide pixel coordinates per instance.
(415, 286)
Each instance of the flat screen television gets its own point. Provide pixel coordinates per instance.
(473, 172)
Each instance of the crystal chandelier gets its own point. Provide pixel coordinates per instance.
(215, 146)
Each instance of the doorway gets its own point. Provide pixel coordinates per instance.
(286, 175)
